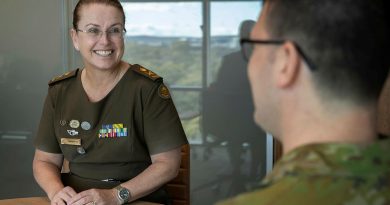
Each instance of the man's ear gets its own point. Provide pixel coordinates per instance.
(289, 65)
(75, 40)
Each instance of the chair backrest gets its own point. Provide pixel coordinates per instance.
(65, 166)
(179, 188)
(384, 110)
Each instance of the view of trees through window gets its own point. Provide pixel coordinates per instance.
(179, 62)
(168, 39)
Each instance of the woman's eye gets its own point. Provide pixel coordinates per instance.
(115, 30)
(94, 31)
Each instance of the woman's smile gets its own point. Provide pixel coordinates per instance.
(104, 53)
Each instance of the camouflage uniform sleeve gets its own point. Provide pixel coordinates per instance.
(272, 195)
(308, 190)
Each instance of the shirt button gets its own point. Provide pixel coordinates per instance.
(80, 150)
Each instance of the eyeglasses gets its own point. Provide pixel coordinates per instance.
(247, 48)
(112, 33)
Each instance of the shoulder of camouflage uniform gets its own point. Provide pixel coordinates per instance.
(145, 72)
(64, 76)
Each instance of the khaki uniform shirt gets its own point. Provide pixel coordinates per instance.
(112, 138)
(340, 174)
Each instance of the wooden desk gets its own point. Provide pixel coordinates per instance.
(45, 201)
(26, 201)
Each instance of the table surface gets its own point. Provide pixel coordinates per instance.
(45, 201)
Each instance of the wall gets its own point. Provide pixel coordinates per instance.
(31, 53)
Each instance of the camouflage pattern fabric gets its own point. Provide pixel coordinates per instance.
(344, 174)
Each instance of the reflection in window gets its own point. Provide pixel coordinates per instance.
(234, 147)
(225, 23)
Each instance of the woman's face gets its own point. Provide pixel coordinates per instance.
(99, 36)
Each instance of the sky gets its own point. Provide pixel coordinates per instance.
(185, 18)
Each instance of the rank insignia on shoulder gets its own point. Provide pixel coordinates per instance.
(145, 72)
(64, 76)
(163, 92)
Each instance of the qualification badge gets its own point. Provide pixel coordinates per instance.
(74, 124)
(85, 125)
(62, 122)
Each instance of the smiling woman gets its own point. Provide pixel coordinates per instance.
(97, 50)
(113, 121)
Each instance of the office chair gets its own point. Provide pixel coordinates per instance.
(179, 188)
(384, 110)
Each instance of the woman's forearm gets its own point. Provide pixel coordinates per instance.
(47, 174)
(164, 168)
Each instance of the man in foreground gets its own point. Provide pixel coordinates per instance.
(316, 70)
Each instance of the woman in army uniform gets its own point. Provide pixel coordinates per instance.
(114, 122)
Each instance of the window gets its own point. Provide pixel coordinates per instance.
(226, 18)
(166, 37)
(185, 42)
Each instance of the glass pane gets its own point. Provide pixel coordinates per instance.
(166, 38)
(188, 105)
(225, 28)
(30, 55)
(234, 147)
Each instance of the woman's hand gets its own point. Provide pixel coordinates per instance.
(63, 196)
(95, 197)
(47, 171)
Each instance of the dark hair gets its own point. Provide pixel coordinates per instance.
(81, 3)
(347, 40)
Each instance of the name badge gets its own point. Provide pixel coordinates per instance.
(71, 141)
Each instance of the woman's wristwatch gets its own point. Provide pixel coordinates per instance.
(123, 194)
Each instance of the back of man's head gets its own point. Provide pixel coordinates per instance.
(347, 40)
(246, 28)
